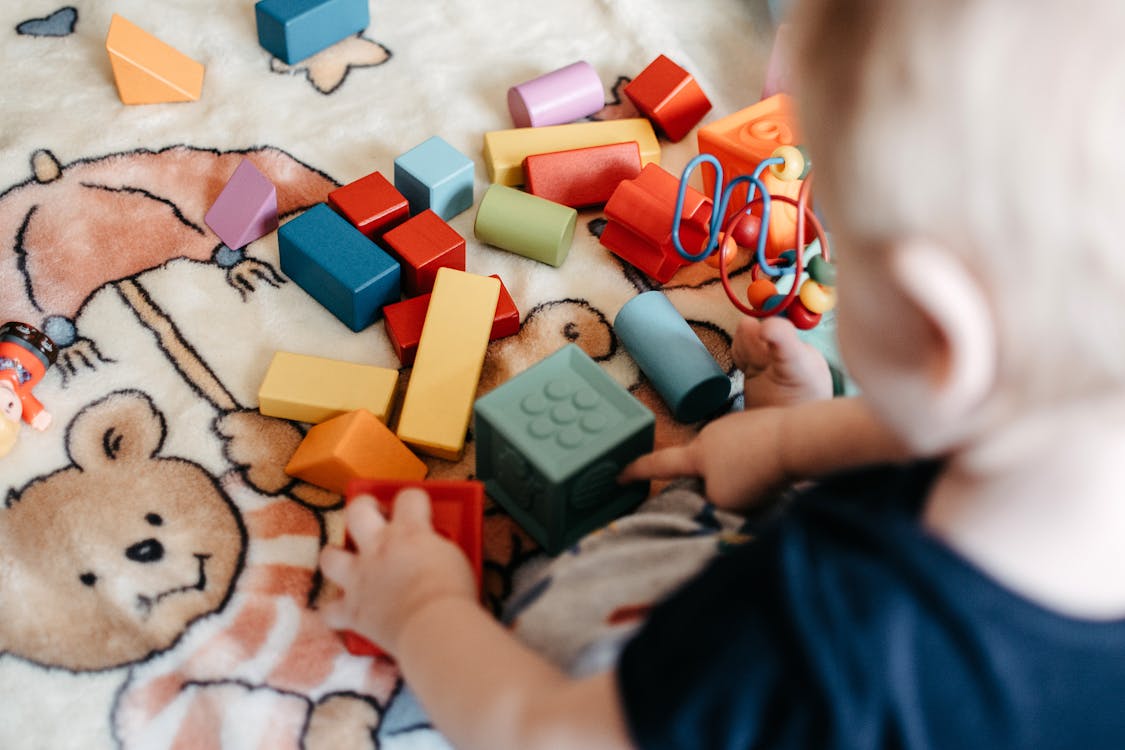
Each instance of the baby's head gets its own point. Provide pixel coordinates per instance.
(969, 161)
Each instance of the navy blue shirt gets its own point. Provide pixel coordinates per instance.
(846, 625)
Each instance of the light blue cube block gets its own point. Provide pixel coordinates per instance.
(437, 176)
(295, 29)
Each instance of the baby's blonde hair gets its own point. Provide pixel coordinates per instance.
(998, 128)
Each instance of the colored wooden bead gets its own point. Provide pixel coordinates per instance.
(506, 150)
(292, 30)
(437, 176)
(422, 245)
(148, 71)
(439, 397)
(246, 209)
(727, 252)
(759, 291)
(821, 270)
(351, 276)
(582, 177)
(671, 355)
(564, 95)
(817, 298)
(669, 96)
(793, 167)
(371, 204)
(551, 441)
(800, 316)
(525, 224)
(315, 389)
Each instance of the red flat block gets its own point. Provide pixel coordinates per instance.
(422, 244)
(669, 96)
(371, 204)
(457, 513)
(404, 321)
(582, 177)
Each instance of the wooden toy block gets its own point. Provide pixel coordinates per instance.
(669, 96)
(435, 175)
(525, 224)
(351, 446)
(148, 71)
(457, 513)
(564, 95)
(351, 276)
(506, 150)
(404, 321)
(639, 222)
(246, 209)
(582, 176)
(439, 397)
(292, 30)
(371, 204)
(740, 141)
(315, 389)
(422, 245)
(551, 441)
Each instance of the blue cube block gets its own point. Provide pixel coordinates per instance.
(551, 442)
(295, 29)
(437, 176)
(339, 267)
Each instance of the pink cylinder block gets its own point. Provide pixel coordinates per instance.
(562, 96)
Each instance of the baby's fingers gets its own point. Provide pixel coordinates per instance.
(668, 463)
(336, 614)
(364, 522)
(337, 566)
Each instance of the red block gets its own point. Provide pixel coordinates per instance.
(457, 514)
(404, 321)
(639, 222)
(423, 244)
(371, 204)
(582, 176)
(669, 96)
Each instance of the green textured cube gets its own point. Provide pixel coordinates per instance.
(551, 442)
(525, 224)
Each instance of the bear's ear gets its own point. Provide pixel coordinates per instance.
(123, 426)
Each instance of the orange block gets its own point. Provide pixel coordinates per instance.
(351, 446)
(148, 71)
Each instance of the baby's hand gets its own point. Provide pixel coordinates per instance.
(399, 568)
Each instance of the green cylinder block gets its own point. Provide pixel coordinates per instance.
(525, 224)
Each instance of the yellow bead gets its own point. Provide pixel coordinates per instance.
(794, 166)
(818, 298)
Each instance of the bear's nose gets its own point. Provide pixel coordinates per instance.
(147, 551)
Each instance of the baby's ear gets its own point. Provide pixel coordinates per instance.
(123, 426)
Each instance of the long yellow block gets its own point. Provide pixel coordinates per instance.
(148, 71)
(505, 150)
(314, 389)
(443, 385)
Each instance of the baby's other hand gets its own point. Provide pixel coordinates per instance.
(399, 568)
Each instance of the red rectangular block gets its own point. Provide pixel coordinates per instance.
(404, 321)
(582, 177)
(422, 244)
(371, 204)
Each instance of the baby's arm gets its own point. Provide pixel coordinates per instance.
(412, 592)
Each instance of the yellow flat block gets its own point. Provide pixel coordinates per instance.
(443, 385)
(148, 71)
(505, 150)
(314, 389)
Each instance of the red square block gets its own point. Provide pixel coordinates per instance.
(423, 244)
(582, 177)
(371, 204)
(404, 321)
(457, 514)
(669, 96)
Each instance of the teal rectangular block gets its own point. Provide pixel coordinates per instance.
(437, 176)
(551, 441)
(295, 29)
(351, 276)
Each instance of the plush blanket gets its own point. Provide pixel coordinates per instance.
(158, 583)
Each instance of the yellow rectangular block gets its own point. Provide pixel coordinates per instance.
(148, 71)
(505, 150)
(314, 389)
(443, 385)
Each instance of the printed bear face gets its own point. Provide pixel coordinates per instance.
(109, 559)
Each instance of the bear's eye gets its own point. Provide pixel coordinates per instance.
(154, 519)
(89, 579)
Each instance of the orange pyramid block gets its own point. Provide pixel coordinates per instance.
(148, 71)
(351, 446)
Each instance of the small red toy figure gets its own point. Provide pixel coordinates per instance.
(25, 355)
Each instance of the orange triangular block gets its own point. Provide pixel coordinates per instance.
(355, 445)
(148, 71)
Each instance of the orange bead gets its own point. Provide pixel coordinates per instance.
(759, 291)
(728, 250)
